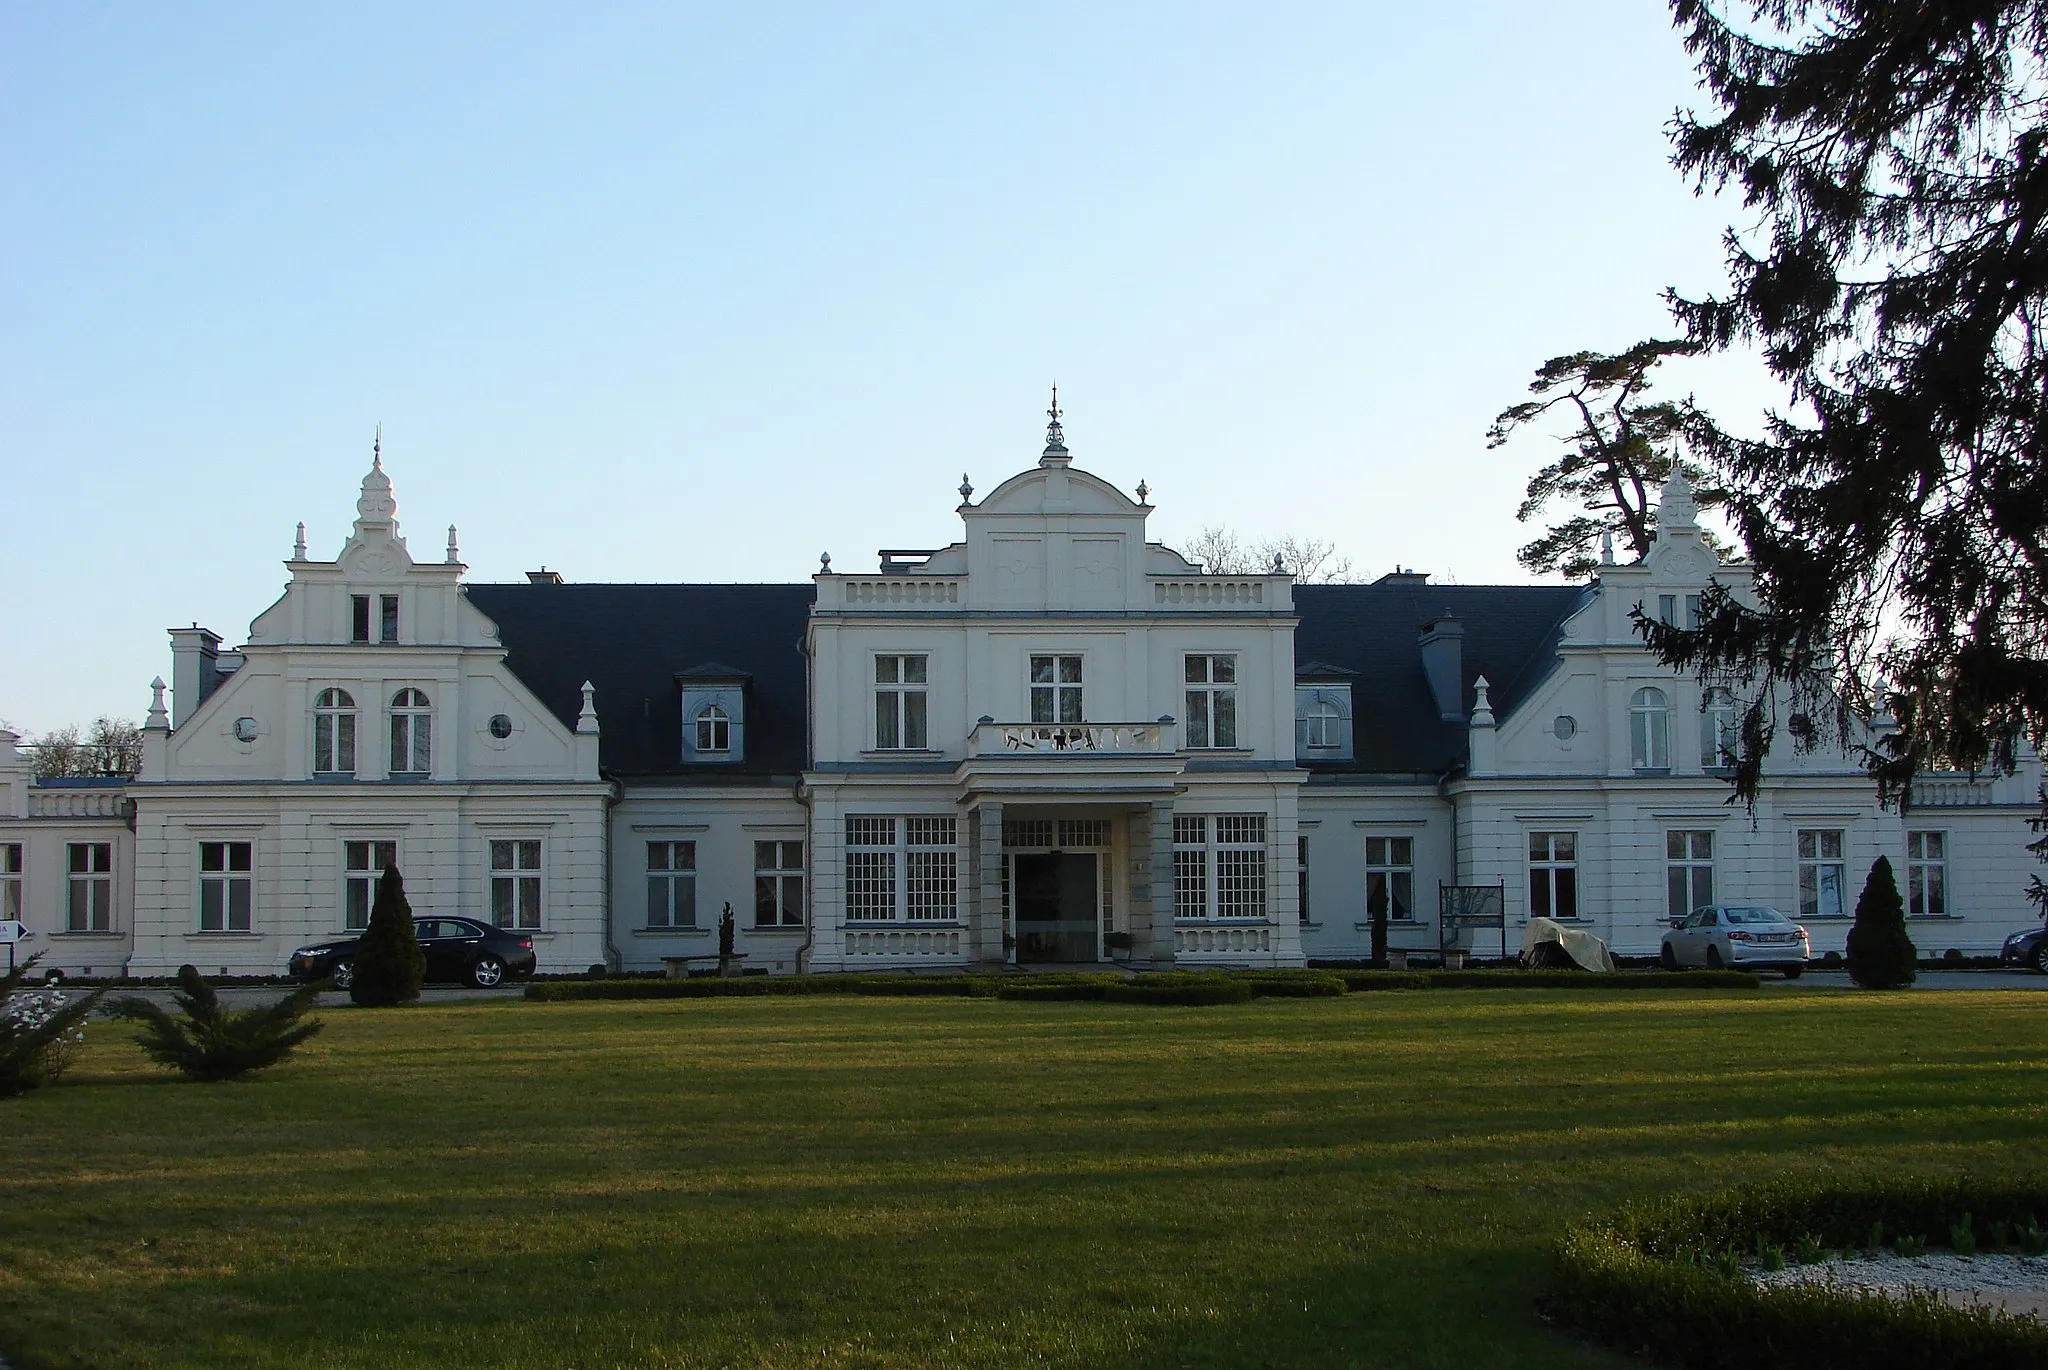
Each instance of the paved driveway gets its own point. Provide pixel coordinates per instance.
(1929, 979)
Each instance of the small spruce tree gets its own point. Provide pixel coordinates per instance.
(388, 962)
(209, 1042)
(1881, 955)
(726, 925)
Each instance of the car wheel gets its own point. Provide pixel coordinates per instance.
(487, 971)
(2041, 956)
(1668, 957)
(1795, 972)
(343, 975)
(1713, 958)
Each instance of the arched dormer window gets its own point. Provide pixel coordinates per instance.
(1649, 730)
(714, 729)
(412, 733)
(1325, 724)
(334, 733)
(1720, 741)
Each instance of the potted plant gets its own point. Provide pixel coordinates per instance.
(1118, 944)
(728, 961)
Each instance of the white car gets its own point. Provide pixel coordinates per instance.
(1738, 937)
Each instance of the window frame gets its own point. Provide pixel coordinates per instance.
(1649, 729)
(711, 729)
(1685, 869)
(526, 885)
(13, 880)
(779, 885)
(412, 732)
(1301, 877)
(1231, 876)
(918, 879)
(1056, 689)
(221, 883)
(334, 732)
(1211, 702)
(359, 620)
(1927, 874)
(902, 712)
(1720, 729)
(1557, 876)
(387, 618)
(1816, 866)
(97, 882)
(676, 884)
(363, 878)
(1391, 858)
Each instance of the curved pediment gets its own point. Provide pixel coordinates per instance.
(1057, 490)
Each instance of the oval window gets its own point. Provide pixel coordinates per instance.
(501, 727)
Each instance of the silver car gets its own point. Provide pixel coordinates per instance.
(1738, 936)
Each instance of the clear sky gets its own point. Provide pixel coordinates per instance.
(682, 292)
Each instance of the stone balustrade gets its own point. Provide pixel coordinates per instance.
(1950, 792)
(893, 944)
(1222, 592)
(70, 803)
(1054, 739)
(893, 592)
(1193, 939)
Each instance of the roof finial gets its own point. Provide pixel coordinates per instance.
(377, 449)
(1144, 492)
(299, 544)
(966, 488)
(454, 553)
(1055, 453)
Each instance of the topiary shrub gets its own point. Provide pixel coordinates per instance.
(208, 1042)
(39, 1030)
(1881, 955)
(388, 962)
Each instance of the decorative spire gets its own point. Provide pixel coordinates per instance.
(1676, 512)
(966, 489)
(1607, 548)
(1144, 492)
(1055, 453)
(586, 721)
(377, 509)
(159, 718)
(454, 556)
(299, 544)
(824, 563)
(377, 450)
(1279, 565)
(1482, 707)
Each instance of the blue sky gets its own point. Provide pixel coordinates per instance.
(673, 292)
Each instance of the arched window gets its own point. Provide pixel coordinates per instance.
(1649, 730)
(1720, 742)
(1325, 724)
(714, 730)
(412, 733)
(334, 733)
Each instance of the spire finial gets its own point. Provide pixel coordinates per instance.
(1055, 453)
(454, 553)
(1144, 492)
(966, 489)
(377, 449)
(299, 544)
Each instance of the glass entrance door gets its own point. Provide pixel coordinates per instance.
(1055, 894)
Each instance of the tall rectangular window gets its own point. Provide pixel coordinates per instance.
(89, 896)
(1553, 875)
(1390, 877)
(778, 884)
(359, 618)
(1056, 689)
(361, 865)
(671, 884)
(1212, 700)
(900, 702)
(11, 868)
(1301, 876)
(226, 887)
(1927, 874)
(870, 869)
(1688, 871)
(932, 884)
(515, 883)
(387, 618)
(1219, 866)
(1821, 873)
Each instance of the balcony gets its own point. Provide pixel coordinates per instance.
(889, 592)
(1079, 739)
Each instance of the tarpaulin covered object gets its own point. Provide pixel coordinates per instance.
(1587, 951)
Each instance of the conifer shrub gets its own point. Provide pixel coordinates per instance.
(1881, 955)
(208, 1042)
(388, 962)
(39, 1030)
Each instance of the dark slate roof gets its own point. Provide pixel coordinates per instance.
(1511, 635)
(632, 641)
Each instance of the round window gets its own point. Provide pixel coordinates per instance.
(501, 727)
(1566, 727)
(247, 729)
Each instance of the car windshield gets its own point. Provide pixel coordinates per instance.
(1755, 915)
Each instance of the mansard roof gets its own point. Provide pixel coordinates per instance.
(632, 642)
(1511, 636)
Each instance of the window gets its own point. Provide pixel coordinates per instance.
(226, 891)
(900, 703)
(361, 864)
(89, 900)
(902, 868)
(1325, 725)
(1390, 877)
(515, 883)
(714, 729)
(1720, 742)
(1056, 689)
(1301, 876)
(1927, 874)
(671, 884)
(778, 884)
(1212, 700)
(387, 618)
(10, 882)
(334, 733)
(1649, 730)
(412, 734)
(1219, 866)
(359, 618)
(1553, 875)
(1820, 873)
(1688, 871)
(1667, 610)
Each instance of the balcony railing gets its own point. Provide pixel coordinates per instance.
(1946, 792)
(894, 592)
(1055, 739)
(69, 803)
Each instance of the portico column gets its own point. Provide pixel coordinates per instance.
(1152, 886)
(986, 862)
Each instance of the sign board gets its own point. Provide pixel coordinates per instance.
(13, 932)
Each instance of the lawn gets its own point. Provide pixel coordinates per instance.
(1370, 1180)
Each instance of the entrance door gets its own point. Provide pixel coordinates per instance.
(1055, 905)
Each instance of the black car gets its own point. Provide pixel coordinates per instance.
(2027, 948)
(459, 950)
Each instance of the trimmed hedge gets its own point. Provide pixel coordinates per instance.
(1661, 1277)
(1547, 979)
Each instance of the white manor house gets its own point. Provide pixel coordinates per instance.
(1050, 740)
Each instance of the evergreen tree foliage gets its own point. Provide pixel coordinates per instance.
(1881, 955)
(38, 1030)
(1621, 451)
(208, 1042)
(728, 927)
(1896, 281)
(388, 963)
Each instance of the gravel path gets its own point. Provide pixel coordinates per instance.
(2015, 1284)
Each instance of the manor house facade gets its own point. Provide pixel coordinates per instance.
(1050, 740)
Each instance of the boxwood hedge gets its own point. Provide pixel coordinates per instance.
(1663, 1278)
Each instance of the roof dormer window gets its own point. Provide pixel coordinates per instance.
(714, 714)
(714, 729)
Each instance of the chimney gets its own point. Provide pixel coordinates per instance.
(1443, 661)
(194, 670)
(544, 577)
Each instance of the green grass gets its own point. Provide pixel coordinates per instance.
(1371, 1180)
